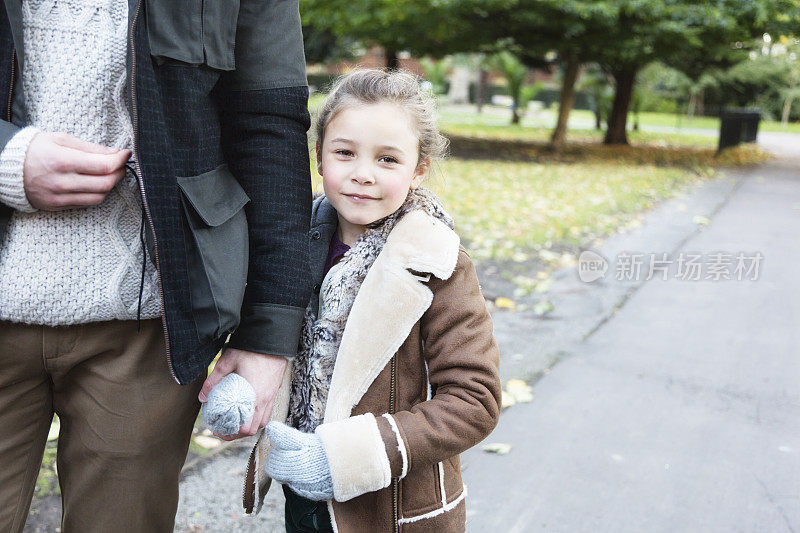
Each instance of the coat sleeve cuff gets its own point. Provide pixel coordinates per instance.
(356, 455)
(396, 449)
(12, 163)
(269, 328)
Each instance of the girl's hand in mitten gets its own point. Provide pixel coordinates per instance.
(230, 405)
(298, 460)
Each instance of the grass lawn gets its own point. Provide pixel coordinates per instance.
(582, 122)
(682, 121)
(542, 134)
(508, 210)
(511, 195)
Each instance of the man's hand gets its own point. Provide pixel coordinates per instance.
(63, 172)
(263, 372)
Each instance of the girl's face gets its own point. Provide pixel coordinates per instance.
(368, 161)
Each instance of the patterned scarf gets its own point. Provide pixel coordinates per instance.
(321, 336)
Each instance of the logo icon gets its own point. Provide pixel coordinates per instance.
(591, 266)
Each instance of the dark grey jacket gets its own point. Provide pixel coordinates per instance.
(218, 98)
(324, 222)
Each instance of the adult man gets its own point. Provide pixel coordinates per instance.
(115, 285)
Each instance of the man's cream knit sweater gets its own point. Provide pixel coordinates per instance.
(82, 265)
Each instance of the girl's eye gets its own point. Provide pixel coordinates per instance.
(346, 153)
(388, 159)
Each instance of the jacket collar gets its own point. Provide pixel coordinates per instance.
(422, 252)
(323, 223)
(390, 301)
(14, 12)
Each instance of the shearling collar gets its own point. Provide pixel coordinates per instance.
(419, 241)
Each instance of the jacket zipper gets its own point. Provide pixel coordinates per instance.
(11, 87)
(140, 178)
(392, 407)
(248, 494)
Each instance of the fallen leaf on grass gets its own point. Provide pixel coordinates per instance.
(505, 303)
(567, 260)
(543, 307)
(544, 285)
(207, 442)
(506, 400)
(500, 448)
(549, 256)
(520, 391)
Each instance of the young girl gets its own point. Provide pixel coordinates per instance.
(397, 368)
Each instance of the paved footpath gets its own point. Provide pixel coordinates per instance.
(681, 413)
(667, 405)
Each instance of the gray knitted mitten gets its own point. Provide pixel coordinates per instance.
(231, 404)
(298, 459)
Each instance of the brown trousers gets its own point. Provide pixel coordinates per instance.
(125, 424)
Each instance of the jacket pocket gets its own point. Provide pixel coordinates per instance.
(196, 32)
(216, 242)
(420, 491)
(452, 484)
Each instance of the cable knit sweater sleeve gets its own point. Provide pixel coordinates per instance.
(12, 159)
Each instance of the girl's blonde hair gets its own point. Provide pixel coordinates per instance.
(373, 86)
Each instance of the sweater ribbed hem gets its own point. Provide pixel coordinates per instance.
(12, 161)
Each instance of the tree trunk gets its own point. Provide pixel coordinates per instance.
(392, 61)
(692, 105)
(571, 72)
(618, 119)
(787, 109)
(515, 113)
(598, 117)
(480, 90)
(701, 105)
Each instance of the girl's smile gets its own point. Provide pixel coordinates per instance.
(359, 197)
(368, 160)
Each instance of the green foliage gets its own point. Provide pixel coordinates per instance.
(323, 46)
(436, 72)
(515, 73)
(769, 80)
(422, 27)
(625, 35)
(661, 88)
(513, 70)
(595, 82)
(529, 92)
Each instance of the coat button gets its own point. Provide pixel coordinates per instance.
(315, 235)
(316, 288)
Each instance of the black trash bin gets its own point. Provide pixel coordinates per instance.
(738, 126)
